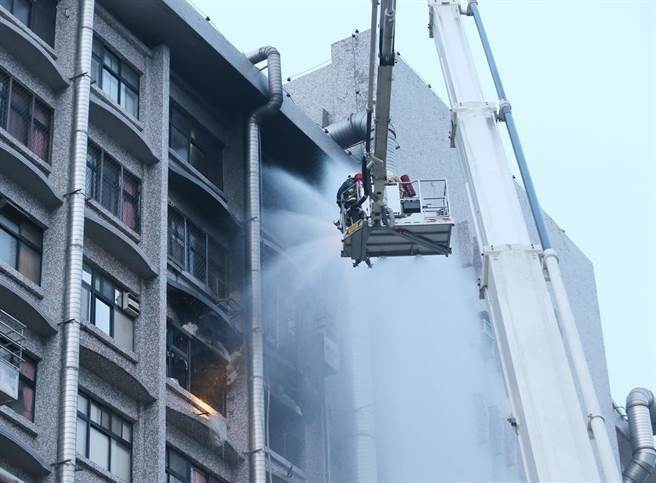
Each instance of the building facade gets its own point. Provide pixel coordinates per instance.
(163, 363)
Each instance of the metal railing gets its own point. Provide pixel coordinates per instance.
(12, 340)
(432, 193)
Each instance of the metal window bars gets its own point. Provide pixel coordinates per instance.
(12, 343)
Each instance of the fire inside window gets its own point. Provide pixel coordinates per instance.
(196, 367)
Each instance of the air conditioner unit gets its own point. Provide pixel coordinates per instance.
(131, 304)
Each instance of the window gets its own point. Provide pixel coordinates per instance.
(24, 405)
(286, 430)
(101, 306)
(115, 78)
(181, 470)
(196, 367)
(114, 187)
(39, 16)
(24, 116)
(193, 144)
(197, 253)
(21, 243)
(104, 437)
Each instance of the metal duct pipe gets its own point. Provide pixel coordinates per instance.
(349, 131)
(641, 412)
(254, 261)
(66, 443)
(505, 114)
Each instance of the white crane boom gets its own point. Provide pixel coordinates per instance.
(546, 410)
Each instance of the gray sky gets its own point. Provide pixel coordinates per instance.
(581, 76)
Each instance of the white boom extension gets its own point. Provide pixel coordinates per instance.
(551, 427)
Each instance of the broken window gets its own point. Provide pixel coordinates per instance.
(285, 427)
(196, 365)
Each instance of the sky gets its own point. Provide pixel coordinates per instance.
(581, 77)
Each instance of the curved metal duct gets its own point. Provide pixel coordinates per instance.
(349, 131)
(353, 130)
(254, 262)
(641, 412)
(66, 444)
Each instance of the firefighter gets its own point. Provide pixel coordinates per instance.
(347, 200)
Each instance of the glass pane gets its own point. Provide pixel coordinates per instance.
(130, 76)
(130, 210)
(29, 263)
(197, 250)
(130, 100)
(95, 413)
(32, 233)
(82, 437)
(180, 121)
(22, 11)
(177, 463)
(44, 13)
(8, 248)
(19, 118)
(105, 417)
(85, 304)
(117, 424)
(127, 431)
(104, 287)
(96, 69)
(110, 60)
(40, 140)
(123, 330)
(102, 316)
(217, 270)
(110, 85)
(24, 405)
(111, 172)
(179, 144)
(86, 275)
(93, 171)
(7, 4)
(176, 241)
(99, 448)
(197, 476)
(120, 461)
(28, 369)
(4, 97)
(82, 402)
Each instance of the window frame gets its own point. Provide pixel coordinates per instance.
(190, 141)
(209, 240)
(113, 306)
(190, 467)
(177, 352)
(7, 116)
(31, 19)
(23, 240)
(31, 383)
(121, 78)
(97, 185)
(86, 417)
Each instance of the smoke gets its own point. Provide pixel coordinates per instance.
(425, 399)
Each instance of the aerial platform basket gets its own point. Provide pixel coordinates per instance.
(417, 222)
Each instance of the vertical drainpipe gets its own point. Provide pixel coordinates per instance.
(66, 449)
(256, 406)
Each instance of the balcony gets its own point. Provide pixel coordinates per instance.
(117, 123)
(11, 356)
(24, 168)
(117, 244)
(185, 180)
(32, 52)
(22, 306)
(199, 420)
